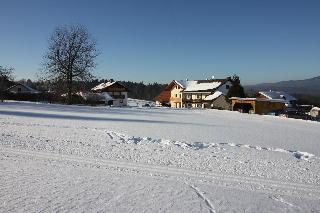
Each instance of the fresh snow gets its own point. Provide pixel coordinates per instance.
(103, 85)
(191, 86)
(103, 96)
(58, 158)
(278, 95)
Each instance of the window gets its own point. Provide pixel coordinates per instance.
(188, 96)
(180, 96)
(199, 96)
(176, 95)
(227, 86)
(19, 89)
(121, 101)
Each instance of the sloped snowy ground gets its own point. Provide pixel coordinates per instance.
(78, 158)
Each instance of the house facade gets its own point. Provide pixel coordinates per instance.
(197, 93)
(116, 92)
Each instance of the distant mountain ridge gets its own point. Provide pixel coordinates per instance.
(309, 86)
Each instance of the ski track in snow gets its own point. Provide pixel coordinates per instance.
(246, 183)
(203, 197)
(281, 200)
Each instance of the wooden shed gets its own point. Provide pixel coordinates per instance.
(256, 105)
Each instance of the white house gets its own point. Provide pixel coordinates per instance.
(114, 92)
(197, 93)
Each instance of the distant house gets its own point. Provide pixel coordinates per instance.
(196, 93)
(278, 95)
(116, 94)
(315, 112)
(260, 106)
(22, 89)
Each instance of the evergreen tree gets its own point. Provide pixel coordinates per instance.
(236, 90)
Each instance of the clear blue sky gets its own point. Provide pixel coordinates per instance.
(160, 40)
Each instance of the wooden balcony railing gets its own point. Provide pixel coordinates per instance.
(118, 96)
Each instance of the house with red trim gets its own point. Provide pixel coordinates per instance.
(210, 93)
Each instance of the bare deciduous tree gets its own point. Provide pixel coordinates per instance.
(71, 56)
(6, 75)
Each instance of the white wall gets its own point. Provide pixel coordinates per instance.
(223, 88)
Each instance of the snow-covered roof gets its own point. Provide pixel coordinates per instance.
(278, 95)
(103, 96)
(204, 85)
(259, 99)
(181, 83)
(315, 109)
(103, 85)
(30, 90)
(213, 96)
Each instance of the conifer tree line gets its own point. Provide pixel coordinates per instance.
(137, 90)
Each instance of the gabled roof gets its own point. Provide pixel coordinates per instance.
(193, 86)
(103, 96)
(106, 85)
(277, 95)
(30, 90)
(315, 109)
(259, 100)
(198, 85)
(103, 85)
(164, 96)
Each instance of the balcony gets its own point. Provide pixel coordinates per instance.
(197, 100)
(118, 96)
(175, 99)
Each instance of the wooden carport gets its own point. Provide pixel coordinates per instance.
(256, 105)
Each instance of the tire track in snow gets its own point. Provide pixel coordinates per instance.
(217, 179)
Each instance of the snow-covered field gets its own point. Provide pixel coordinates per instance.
(56, 158)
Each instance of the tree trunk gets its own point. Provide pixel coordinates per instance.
(1, 89)
(69, 82)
